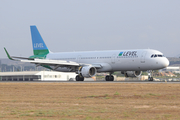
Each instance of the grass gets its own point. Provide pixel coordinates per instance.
(66, 101)
(91, 96)
(152, 94)
(116, 93)
(167, 116)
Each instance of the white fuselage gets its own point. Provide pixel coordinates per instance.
(115, 60)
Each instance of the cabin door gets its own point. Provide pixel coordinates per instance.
(79, 59)
(113, 58)
(143, 55)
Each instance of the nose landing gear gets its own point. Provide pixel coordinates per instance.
(150, 78)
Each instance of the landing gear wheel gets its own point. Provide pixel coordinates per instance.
(150, 79)
(109, 78)
(79, 78)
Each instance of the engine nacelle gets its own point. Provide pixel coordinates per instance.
(132, 73)
(87, 71)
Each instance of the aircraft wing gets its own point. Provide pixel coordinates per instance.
(58, 63)
(52, 62)
(48, 62)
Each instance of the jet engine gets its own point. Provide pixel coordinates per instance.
(132, 73)
(87, 71)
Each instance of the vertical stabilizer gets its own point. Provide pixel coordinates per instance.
(39, 47)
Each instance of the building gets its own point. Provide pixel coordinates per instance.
(172, 69)
(36, 76)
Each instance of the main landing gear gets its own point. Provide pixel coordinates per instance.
(109, 77)
(150, 78)
(79, 78)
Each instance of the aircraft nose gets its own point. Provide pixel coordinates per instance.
(166, 62)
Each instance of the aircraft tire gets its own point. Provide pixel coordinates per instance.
(79, 78)
(111, 78)
(107, 77)
(82, 78)
(150, 78)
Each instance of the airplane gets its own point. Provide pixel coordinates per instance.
(87, 64)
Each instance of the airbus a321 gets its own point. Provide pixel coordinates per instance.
(86, 64)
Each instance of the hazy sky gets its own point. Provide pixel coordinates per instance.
(89, 25)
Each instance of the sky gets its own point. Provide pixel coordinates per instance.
(90, 25)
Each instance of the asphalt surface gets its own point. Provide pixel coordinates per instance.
(102, 81)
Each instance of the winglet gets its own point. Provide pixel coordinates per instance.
(8, 54)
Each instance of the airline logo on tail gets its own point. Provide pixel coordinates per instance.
(38, 45)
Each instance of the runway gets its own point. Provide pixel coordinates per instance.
(94, 82)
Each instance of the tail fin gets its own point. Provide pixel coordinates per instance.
(39, 47)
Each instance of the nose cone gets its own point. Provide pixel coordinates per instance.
(165, 62)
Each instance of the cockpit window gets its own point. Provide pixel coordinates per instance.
(156, 55)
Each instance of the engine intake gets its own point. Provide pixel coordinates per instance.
(132, 73)
(87, 71)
